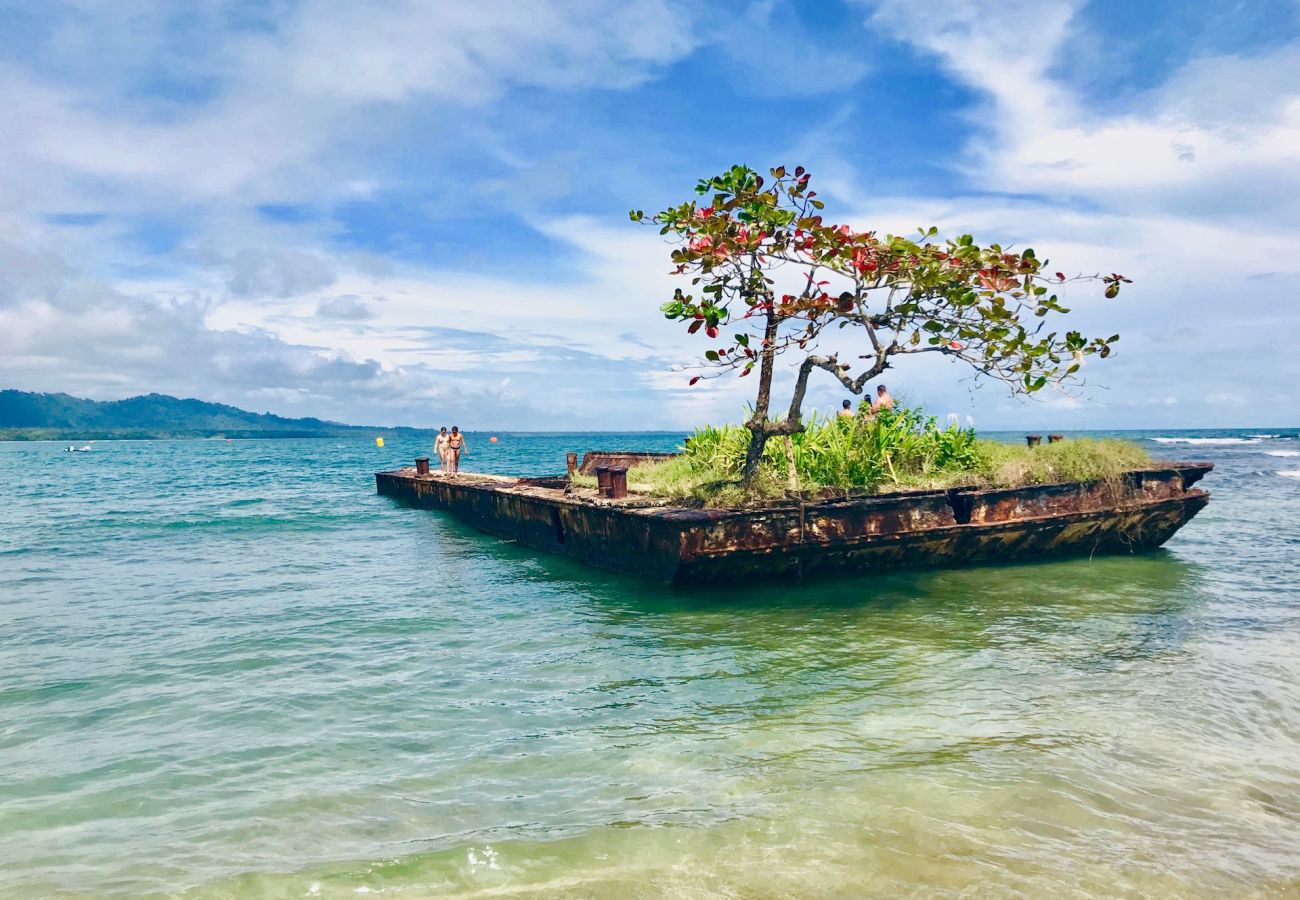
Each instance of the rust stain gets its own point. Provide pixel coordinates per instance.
(919, 528)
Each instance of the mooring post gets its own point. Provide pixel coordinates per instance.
(602, 481)
(422, 465)
(571, 462)
(1053, 438)
(617, 482)
(1033, 440)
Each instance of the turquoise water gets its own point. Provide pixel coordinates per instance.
(232, 670)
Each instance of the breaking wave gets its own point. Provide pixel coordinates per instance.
(1182, 440)
(1290, 473)
(1283, 452)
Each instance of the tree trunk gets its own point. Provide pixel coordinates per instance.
(758, 425)
(792, 473)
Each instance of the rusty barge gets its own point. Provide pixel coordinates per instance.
(850, 533)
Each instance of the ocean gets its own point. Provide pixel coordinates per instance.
(233, 670)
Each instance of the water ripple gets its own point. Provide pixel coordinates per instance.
(263, 680)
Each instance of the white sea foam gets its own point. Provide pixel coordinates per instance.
(1283, 452)
(1180, 440)
(1290, 473)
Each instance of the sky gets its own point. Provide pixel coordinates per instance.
(416, 212)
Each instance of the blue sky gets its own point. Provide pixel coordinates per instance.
(415, 213)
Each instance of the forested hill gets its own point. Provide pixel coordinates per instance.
(58, 416)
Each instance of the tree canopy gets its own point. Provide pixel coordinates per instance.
(766, 268)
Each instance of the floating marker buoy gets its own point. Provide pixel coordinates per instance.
(492, 439)
(379, 442)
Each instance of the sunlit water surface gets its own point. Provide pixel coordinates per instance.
(230, 669)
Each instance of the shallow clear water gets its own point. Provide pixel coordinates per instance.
(233, 670)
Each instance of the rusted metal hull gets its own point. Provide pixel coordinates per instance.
(915, 528)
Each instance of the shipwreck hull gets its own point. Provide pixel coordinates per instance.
(851, 534)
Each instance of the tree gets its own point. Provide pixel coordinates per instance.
(984, 305)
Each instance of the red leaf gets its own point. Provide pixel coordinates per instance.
(695, 379)
(695, 326)
(1060, 276)
(711, 331)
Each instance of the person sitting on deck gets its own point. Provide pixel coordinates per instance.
(846, 409)
(440, 447)
(455, 446)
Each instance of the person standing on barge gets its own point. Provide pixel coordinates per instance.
(440, 447)
(455, 446)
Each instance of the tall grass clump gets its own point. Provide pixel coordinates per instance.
(891, 450)
(1080, 459)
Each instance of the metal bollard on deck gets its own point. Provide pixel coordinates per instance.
(617, 482)
(1053, 438)
(422, 465)
(571, 462)
(1033, 440)
(602, 481)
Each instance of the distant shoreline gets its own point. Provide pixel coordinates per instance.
(46, 435)
(359, 432)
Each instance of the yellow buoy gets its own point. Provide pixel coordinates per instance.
(379, 442)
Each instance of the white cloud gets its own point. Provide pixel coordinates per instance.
(1208, 127)
(1189, 187)
(326, 72)
(1192, 188)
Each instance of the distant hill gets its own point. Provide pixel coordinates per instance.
(29, 416)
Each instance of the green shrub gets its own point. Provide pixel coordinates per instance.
(895, 449)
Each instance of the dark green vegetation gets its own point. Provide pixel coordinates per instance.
(32, 417)
(894, 450)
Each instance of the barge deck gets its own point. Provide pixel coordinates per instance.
(677, 544)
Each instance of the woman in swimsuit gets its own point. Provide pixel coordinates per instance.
(440, 447)
(455, 445)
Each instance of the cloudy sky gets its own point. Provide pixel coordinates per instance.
(415, 212)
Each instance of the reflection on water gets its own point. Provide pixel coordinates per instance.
(262, 680)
